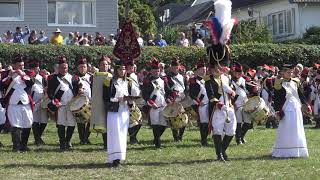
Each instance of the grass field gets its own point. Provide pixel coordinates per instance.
(175, 160)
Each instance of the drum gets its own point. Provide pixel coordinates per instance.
(192, 114)
(257, 109)
(175, 113)
(81, 108)
(135, 115)
(179, 122)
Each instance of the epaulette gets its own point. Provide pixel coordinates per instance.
(278, 84)
(206, 78)
(297, 80)
(107, 81)
(129, 79)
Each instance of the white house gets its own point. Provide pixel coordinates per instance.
(286, 19)
(69, 15)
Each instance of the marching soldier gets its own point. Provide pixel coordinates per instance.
(133, 128)
(198, 93)
(175, 86)
(40, 116)
(81, 83)
(219, 93)
(60, 92)
(153, 92)
(240, 99)
(19, 104)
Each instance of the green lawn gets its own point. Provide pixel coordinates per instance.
(184, 160)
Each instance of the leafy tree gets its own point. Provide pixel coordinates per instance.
(140, 14)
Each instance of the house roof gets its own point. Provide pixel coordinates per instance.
(193, 13)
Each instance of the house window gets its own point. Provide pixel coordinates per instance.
(281, 23)
(11, 10)
(72, 13)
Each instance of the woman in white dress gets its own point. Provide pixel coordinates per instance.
(115, 95)
(291, 139)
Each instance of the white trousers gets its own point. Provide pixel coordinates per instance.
(20, 116)
(157, 118)
(219, 124)
(65, 117)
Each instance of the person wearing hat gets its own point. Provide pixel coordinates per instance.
(81, 82)
(111, 41)
(243, 120)
(60, 93)
(267, 94)
(198, 93)
(176, 88)
(305, 87)
(135, 127)
(153, 92)
(288, 100)
(116, 97)
(40, 116)
(221, 112)
(19, 104)
(57, 38)
(98, 112)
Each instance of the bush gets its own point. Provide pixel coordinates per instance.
(250, 54)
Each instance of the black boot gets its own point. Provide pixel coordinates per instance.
(175, 134)
(116, 163)
(132, 135)
(218, 146)
(204, 133)
(180, 133)
(274, 123)
(24, 139)
(81, 130)
(36, 133)
(16, 139)
(62, 137)
(225, 144)
(317, 122)
(87, 134)
(69, 134)
(105, 144)
(239, 134)
(245, 128)
(42, 128)
(156, 134)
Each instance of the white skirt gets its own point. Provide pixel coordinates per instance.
(291, 139)
(20, 116)
(117, 129)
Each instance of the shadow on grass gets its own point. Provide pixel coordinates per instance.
(156, 164)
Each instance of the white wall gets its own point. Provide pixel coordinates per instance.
(310, 14)
(266, 8)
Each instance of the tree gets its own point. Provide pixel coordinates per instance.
(140, 14)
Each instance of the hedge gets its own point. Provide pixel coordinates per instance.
(250, 54)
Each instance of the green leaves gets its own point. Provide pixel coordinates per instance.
(252, 54)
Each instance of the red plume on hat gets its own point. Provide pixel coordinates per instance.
(62, 59)
(305, 71)
(154, 63)
(201, 63)
(237, 67)
(18, 58)
(82, 60)
(175, 61)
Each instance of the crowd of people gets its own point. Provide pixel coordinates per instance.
(218, 96)
(28, 36)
